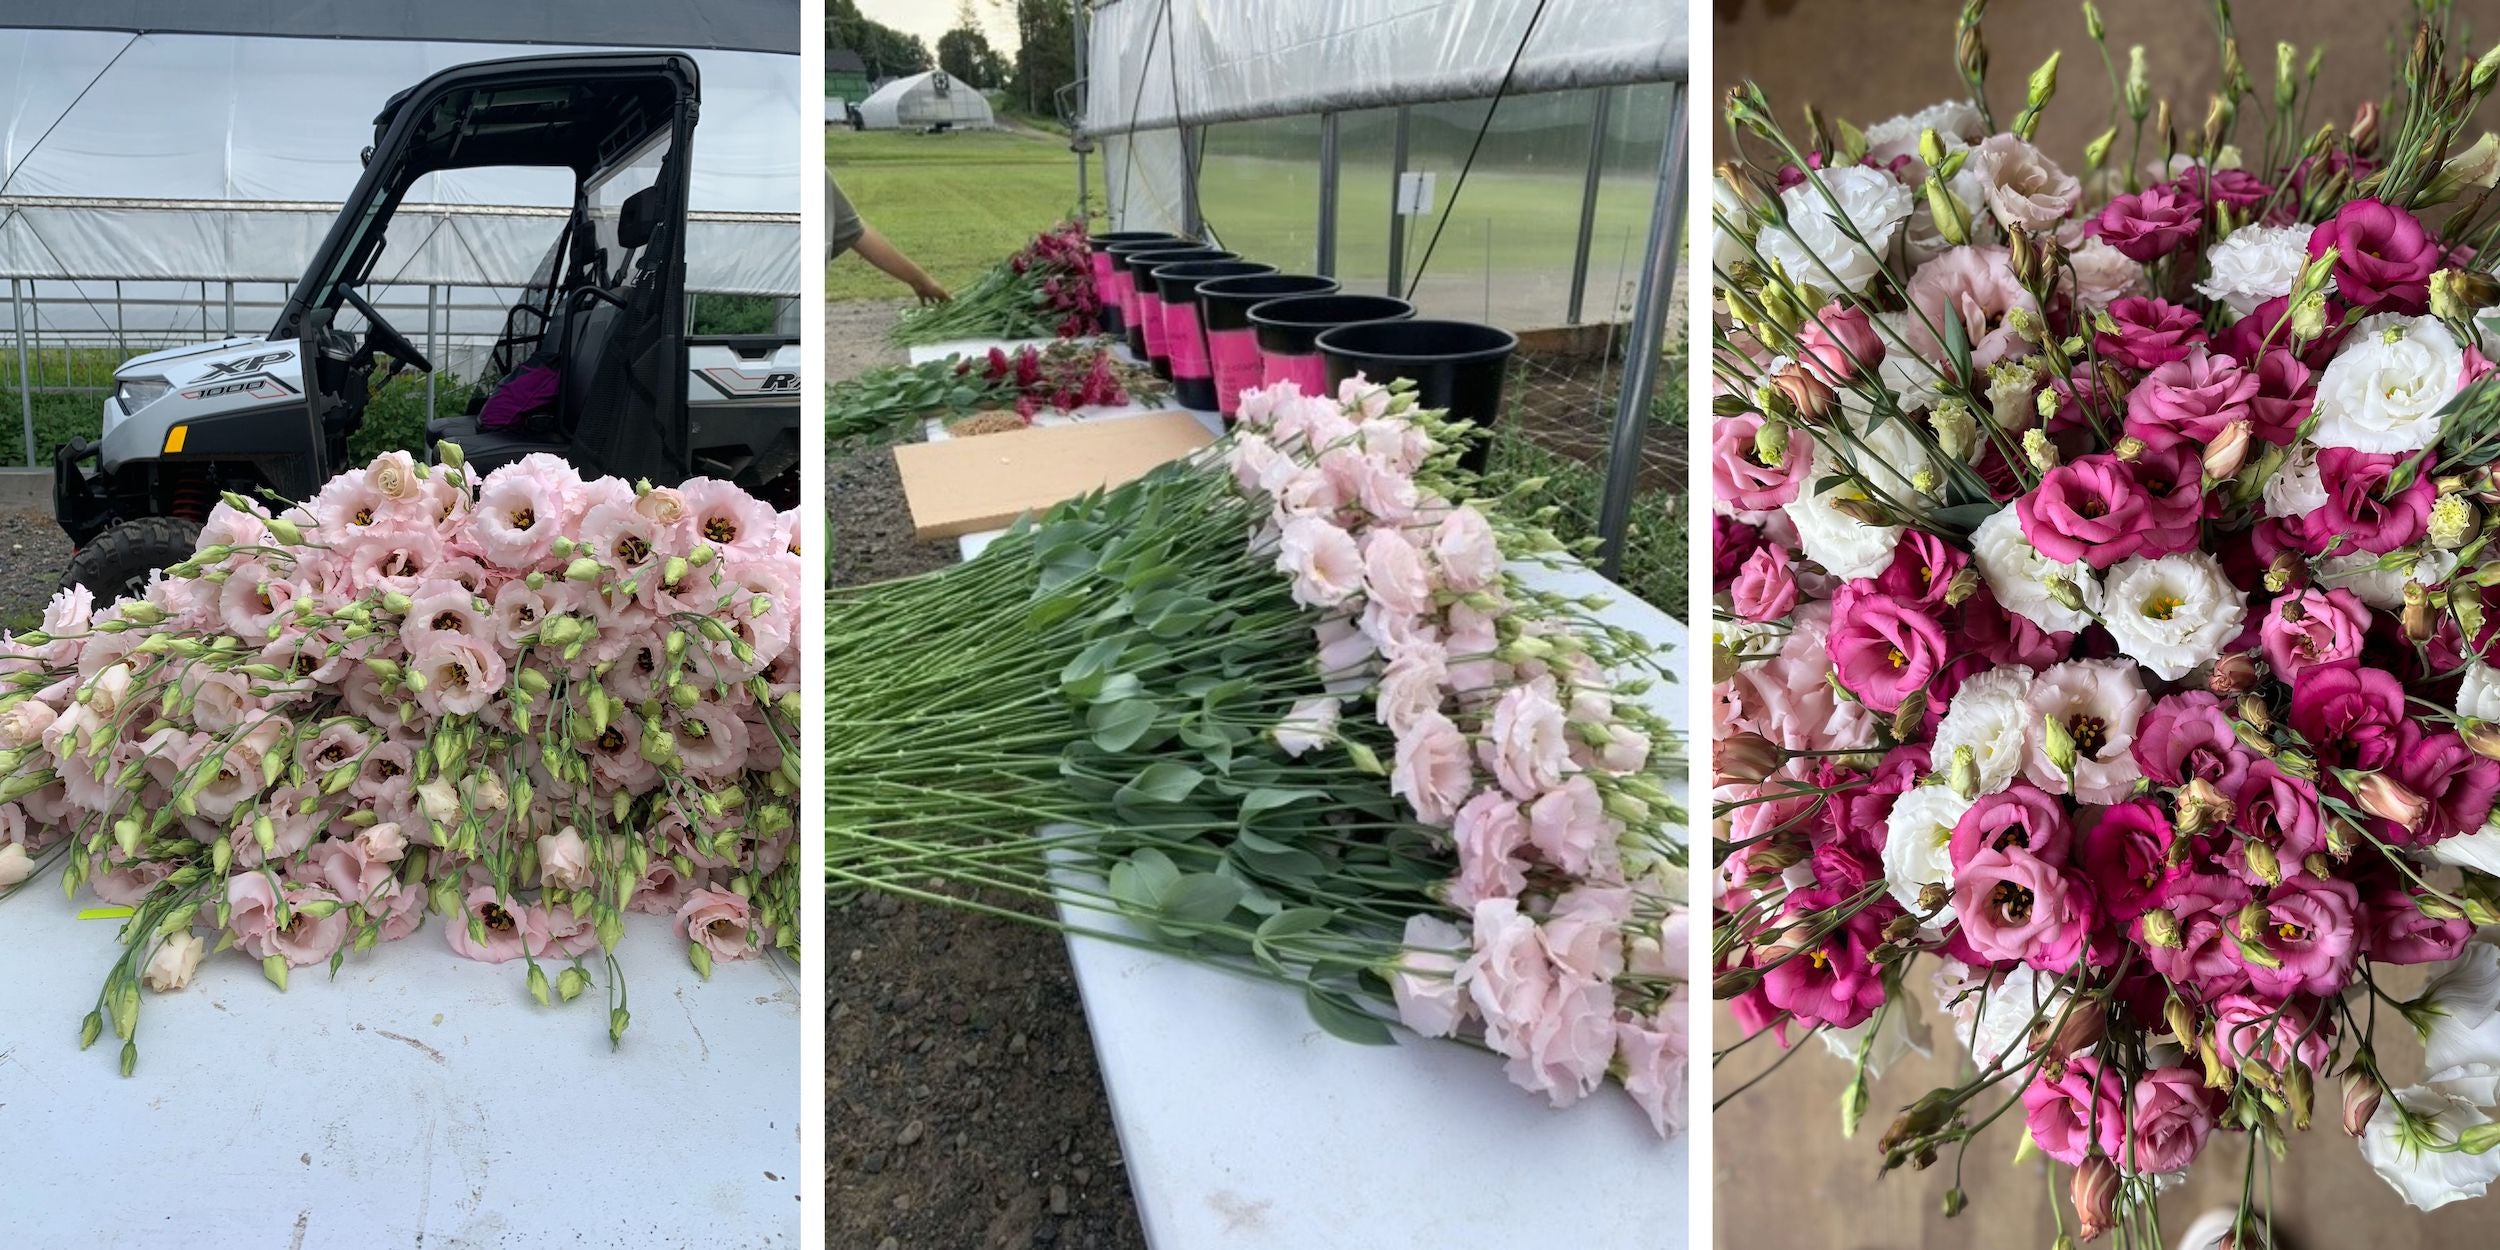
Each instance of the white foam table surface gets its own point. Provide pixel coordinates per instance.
(417, 1100)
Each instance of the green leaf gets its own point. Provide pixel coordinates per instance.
(1268, 799)
(1293, 921)
(1343, 1019)
(1162, 782)
(1119, 726)
(1201, 898)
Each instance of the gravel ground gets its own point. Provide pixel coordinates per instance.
(33, 553)
(964, 1108)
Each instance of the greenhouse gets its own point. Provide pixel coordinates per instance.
(931, 100)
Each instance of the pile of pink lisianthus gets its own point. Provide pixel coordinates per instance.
(2106, 623)
(531, 703)
(1562, 941)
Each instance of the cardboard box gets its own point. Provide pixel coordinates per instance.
(967, 485)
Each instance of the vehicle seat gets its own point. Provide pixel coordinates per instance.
(488, 450)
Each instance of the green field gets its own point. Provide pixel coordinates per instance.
(955, 203)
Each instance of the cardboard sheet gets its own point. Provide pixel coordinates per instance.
(965, 485)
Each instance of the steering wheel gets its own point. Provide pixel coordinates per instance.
(381, 336)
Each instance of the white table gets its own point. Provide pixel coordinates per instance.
(421, 1099)
(1245, 1127)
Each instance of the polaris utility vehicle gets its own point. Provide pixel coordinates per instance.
(618, 385)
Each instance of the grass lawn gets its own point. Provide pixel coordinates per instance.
(955, 203)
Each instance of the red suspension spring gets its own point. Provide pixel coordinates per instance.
(192, 498)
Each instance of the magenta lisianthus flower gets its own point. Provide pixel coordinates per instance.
(2078, 1113)
(2151, 333)
(2185, 737)
(1922, 569)
(2281, 812)
(1854, 816)
(2205, 957)
(2238, 188)
(2013, 905)
(1882, 648)
(2384, 257)
(2458, 784)
(1766, 588)
(2191, 398)
(2313, 628)
(2395, 930)
(2151, 224)
(2287, 390)
(1835, 981)
(2361, 506)
(1732, 542)
(2125, 855)
(2276, 1034)
(2088, 509)
(2171, 481)
(2248, 338)
(2020, 817)
(1839, 344)
(1743, 481)
(2311, 929)
(2349, 715)
(2174, 1115)
(1996, 636)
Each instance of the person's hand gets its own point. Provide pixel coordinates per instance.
(930, 292)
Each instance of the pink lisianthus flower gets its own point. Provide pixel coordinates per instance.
(1489, 833)
(2014, 906)
(719, 921)
(2287, 390)
(1766, 589)
(1394, 575)
(1742, 481)
(2384, 257)
(2349, 716)
(2186, 737)
(2311, 931)
(1836, 981)
(1839, 344)
(2151, 224)
(1322, 558)
(2077, 1113)
(462, 674)
(2125, 856)
(2089, 509)
(2190, 400)
(1653, 1053)
(1465, 551)
(1434, 771)
(1424, 979)
(512, 929)
(2313, 628)
(2362, 507)
(2277, 1035)
(2017, 818)
(1568, 825)
(2281, 812)
(1525, 745)
(2174, 1115)
(2458, 785)
(1922, 570)
(2151, 333)
(2205, 957)
(1882, 648)
(1978, 284)
(2395, 929)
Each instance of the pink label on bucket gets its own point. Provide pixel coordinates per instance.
(1187, 343)
(1124, 292)
(1150, 315)
(1104, 292)
(1308, 372)
(1236, 358)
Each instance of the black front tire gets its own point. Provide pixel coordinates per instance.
(117, 563)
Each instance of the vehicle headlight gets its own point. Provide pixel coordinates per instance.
(134, 394)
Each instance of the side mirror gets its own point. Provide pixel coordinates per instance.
(365, 157)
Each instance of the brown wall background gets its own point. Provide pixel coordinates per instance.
(1786, 1180)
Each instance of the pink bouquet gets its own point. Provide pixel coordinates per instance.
(532, 702)
(2106, 617)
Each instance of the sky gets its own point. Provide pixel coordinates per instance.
(932, 18)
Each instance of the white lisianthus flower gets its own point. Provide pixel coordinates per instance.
(2100, 702)
(1845, 546)
(2103, 274)
(1922, 241)
(1898, 1032)
(1957, 124)
(1814, 239)
(2297, 488)
(2428, 1179)
(2384, 389)
(1988, 715)
(2478, 694)
(1917, 837)
(2383, 589)
(1992, 1021)
(1727, 247)
(2460, 1025)
(2018, 575)
(2172, 613)
(2024, 187)
(2255, 264)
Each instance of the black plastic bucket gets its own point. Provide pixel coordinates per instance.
(1106, 279)
(1289, 330)
(1124, 283)
(1184, 324)
(1224, 304)
(1457, 365)
(1146, 339)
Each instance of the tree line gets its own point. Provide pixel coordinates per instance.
(1044, 60)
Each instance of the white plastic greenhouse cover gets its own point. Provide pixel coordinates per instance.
(1152, 65)
(918, 101)
(209, 157)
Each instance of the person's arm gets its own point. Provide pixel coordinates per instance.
(873, 248)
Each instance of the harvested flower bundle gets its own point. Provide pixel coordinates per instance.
(1044, 291)
(2107, 624)
(531, 703)
(1060, 376)
(1285, 709)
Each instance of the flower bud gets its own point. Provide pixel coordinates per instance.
(2095, 1194)
(2228, 451)
(2235, 673)
(2361, 1098)
(2161, 929)
(2391, 800)
(1746, 758)
(2263, 863)
(2038, 450)
(1807, 395)
(1963, 776)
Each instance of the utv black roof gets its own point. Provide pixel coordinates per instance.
(702, 25)
(576, 110)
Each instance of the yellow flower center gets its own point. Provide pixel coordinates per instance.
(2160, 606)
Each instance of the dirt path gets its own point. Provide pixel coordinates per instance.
(964, 1110)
